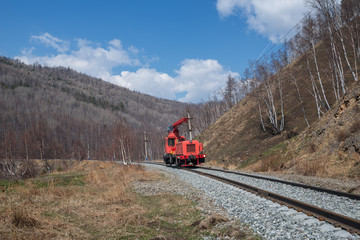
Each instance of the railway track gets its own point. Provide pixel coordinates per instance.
(318, 189)
(350, 224)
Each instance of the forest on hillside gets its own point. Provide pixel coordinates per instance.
(57, 113)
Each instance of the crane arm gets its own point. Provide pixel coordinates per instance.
(178, 123)
(174, 128)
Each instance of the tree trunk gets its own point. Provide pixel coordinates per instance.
(301, 100)
(319, 77)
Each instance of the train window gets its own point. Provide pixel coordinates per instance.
(171, 141)
(170, 128)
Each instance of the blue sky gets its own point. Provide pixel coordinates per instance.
(175, 49)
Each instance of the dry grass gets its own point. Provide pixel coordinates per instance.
(21, 218)
(270, 160)
(93, 200)
(221, 164)
(337, 165)
(355, 126)
(343, 134)
(266, 164)
(311, 167)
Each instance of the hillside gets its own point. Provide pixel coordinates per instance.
(78, 110)
(237, 138)
(331, 147)
(237, 135)
(303, 117)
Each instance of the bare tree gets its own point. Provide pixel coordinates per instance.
(292, 76)
(40, 132)
(315, 92)
(258, 95)
(267, 77)
(9, 151)
(230, 91)
(78, 150)
(330, 11)
(27, 145)
(311, 36)
(122, 142)
(350, 15)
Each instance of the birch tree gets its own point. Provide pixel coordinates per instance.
(40, 132)
(258, 96)
(293, 77)
(263, 71)
(229, 92)
(311, 36)
(330, 11)
(350, 15)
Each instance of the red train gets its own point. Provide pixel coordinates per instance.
(179, 151)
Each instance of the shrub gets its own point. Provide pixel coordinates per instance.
(32, 170)
(312, 148)
(270, 163)
(355, 126)
(343, 135)
(20, 218)
(291, 134)
(314, 167)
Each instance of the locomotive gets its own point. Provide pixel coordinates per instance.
(179, 151)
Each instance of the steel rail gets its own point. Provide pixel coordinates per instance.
(350, 224)
(319, 189)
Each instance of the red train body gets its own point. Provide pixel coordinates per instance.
(179, 151)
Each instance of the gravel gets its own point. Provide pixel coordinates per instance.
(337, 184)
(342, 205)
(268, 219)
(344, 185)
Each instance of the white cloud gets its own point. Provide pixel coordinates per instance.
(133, 50)
(194, 81)
(271, 18)
(196, 78)
(116, 43)
(229, 7)
(200, 78)
(48, 40)
(89, 59)
(145, 80)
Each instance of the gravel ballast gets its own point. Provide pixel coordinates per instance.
(342, 205)
(268, 219)
(343, 185)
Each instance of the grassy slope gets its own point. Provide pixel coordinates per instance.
(95, 200)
